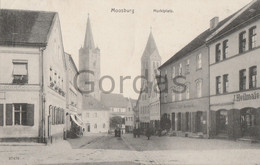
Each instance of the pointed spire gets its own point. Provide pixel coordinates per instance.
(151, 45)
(89, 41)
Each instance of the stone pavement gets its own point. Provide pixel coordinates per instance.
(62, 153)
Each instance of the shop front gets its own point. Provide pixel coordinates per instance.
(188, 116)
(237, 117)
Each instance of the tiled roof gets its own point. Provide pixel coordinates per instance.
(114, 100)
(90, 103)
(195, 43)
(248, 15)
(22, 27)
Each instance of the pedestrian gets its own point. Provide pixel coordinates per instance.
(134, 132)
(148, 133)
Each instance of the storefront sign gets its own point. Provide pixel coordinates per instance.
(246, 96)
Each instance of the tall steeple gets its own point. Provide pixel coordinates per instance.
(89, 41)
(150, 45)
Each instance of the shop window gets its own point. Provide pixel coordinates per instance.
(225, 83)
(218, 52)
(242, 80)
(20, 114)
(252, 77)
(242, 42)
(225, 49)
(20, 72)
(252, 37)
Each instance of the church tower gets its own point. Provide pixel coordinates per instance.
(89, 59)
(150, 60)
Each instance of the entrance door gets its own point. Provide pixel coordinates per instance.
(222, 121)
(88, 127)
(173, 121)
(199, 121)
(248, 122)
(179, 122)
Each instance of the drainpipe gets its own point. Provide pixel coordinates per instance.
(42, 97)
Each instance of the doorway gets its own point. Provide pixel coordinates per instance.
(222, 121)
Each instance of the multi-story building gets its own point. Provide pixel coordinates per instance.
(95, 115)
(185, 94)
(74, 99)
(148, 101)
(32, 69)
(129, 118)
(234, 67)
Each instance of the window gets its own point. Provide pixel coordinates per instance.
(95, 126)
(199, 61)
(180, 69)
(252, 37)
(225, 83)
(165, 97)
(199, 88)
(187, 66)
(218, 85)
(218, 53)
(173, 95)
(225, 49)
(173, 71)
(252, 77)
(19, 114)
(242, 79)
(20, 72)
(187, 91)
(104, 125)
(242, 42)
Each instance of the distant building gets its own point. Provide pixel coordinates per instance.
(129, 117)
(89, 61)
(148, 101)
(95, 115)
(33, 76)
(73, 99)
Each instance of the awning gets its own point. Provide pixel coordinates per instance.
(75, 121)
(79, 119)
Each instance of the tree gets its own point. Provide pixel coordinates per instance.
(115, 121)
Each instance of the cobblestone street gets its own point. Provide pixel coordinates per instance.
(106, 149)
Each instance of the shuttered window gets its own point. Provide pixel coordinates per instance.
(20, 114)
(1, 114)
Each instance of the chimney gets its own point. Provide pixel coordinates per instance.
(213, 23)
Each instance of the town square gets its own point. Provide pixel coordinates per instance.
(129, 82)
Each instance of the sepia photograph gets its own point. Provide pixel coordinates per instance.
(129, 82)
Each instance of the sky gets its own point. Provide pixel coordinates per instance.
(122, 37)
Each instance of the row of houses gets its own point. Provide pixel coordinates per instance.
(42, 93)
(38, 98)
(210, 87)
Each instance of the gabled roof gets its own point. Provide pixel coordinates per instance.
(89, 41)
(23, 27)
(199, 41)
(90, 103)
(114, 100)
(72, 61)
(250, 14)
